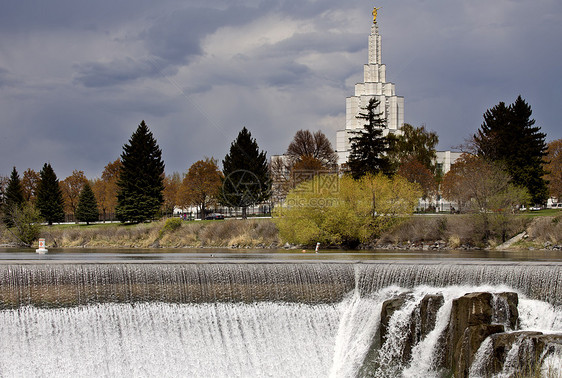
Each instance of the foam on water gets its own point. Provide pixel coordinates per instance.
(158, 339)
(280, 321)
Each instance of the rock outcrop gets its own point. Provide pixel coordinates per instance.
(481, 338)
(474, 317)
(517, 354)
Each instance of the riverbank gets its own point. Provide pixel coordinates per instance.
(425, 232)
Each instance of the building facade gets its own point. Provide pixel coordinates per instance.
(374, 85)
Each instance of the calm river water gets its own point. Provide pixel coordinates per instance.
(84, 255)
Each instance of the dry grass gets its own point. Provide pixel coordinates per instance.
(228, 233)
(455, 230)
(546, 230)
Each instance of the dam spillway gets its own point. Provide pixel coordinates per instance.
(244, 319)
(81, 284)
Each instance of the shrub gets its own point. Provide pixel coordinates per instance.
(346, 214)
(171, 225)
(26, 221)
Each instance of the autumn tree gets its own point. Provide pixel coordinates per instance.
(140, 184)
(484, 189)
(246, 174)
(369, 148)
(554, 169)
(13, 197)
(87, 208)
(416, 172)
(105, 188)
(71, 188)
(201, 185)
(508, 136)
(50, 201)
(312, 147)
(172, 186)
(30, 183)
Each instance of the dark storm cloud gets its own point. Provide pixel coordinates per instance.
(38, 15)
(115, 73)
(176, 36)
(77, 77)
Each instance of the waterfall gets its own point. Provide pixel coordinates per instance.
(80, 284)
(272, 319)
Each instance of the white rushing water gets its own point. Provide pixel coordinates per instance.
(274, 339)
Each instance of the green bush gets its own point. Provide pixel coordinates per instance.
(27, 224)
(349, 213)
(171, 225)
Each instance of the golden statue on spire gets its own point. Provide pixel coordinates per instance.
(375, 11)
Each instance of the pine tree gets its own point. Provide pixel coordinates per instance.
(87, 208)
(369, 148)
(508, 136)
(140, 183)
(246, 174)
(13, 197)
(49, 196)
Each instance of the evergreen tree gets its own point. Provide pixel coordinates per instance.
(13, 197)
(369, 148)
(246, 174)
(49, 196)
(141, 183)
(87, 208)
(508, 136)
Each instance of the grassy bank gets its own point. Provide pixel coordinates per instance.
(171, 233)
(418, 232)
(468, 231)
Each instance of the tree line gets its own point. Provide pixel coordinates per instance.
(134, 188)
(506, 164)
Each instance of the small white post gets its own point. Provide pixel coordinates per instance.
(42, 249)
(317, 246)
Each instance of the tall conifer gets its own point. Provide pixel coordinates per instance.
(87, 208)
(49, 196)
(246, 173)
(140, 183)
(13, 197)
(369, 148)
(508, 136)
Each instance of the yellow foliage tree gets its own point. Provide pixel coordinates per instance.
(343, 211)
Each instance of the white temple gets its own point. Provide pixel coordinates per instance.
(374, 85)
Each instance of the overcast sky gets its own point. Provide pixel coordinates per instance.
(77, 77)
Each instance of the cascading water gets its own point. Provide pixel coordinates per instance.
(305, 320)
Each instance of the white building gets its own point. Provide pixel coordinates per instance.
(391, 106)
(444, 160)
(374, 85)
